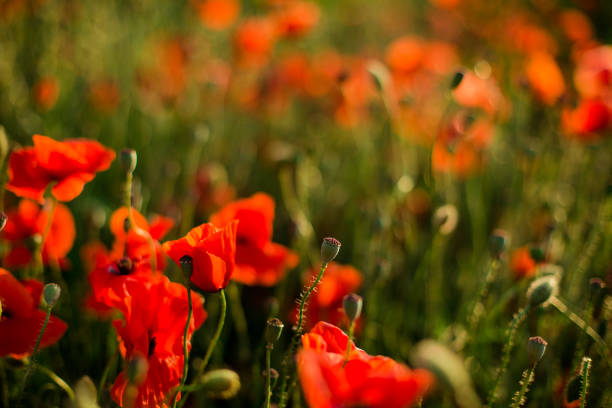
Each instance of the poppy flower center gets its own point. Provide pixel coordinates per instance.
(152, 344)
(6, 314)
(123, 266)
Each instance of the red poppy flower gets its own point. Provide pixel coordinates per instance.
(372, 381)
(45, 92)
(213, 251)
(29, 219)
(21, 319)
(405, 55)
(258, 260)
(69, 164)
(104, 95)
(218, 14)
(588, 121)
(254, 40)
(545, 77)
(129, 259)
(297, 18)
(155, 314)
(522, 264)
(326, 302)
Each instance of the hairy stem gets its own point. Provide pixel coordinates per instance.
(185, 348)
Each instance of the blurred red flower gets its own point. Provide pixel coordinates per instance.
(28, 220)
(254, 40)
(522, 264)
(104, 95)
(296, 18)
(587, 121)
(259, 261)
(545, 77)
(45, 92)
(69, 164)
(405, 55)
(372, 381)
(154, 317)
(213, 251)
(217, 14)
(21, 319)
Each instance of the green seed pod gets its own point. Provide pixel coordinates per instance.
(274, 328)
(51, 293)
(352, 304)
(536, 346)
(498, 242)
(329, 249)
(128, 159)
(221, 384)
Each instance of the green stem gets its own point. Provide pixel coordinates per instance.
(34, 353)
(105, 373)
(185, 348)
(268, 375)
(59, 381)
(239, 319)
(528, 378)
(518, 318)
(474, 317)
(38, 255)
(586, 366)
(294, 340)
(348, 344)
(217, 334)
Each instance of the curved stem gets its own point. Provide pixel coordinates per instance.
(268, 375)
(586, 366)
(528, 377)
(305, 298)
(185, 348)
(217, 334)
(35, 352)
(105, 373)
(518, 318)
(59, 381)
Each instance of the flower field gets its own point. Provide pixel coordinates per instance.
(305, 203)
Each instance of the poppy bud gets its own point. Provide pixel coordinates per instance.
(379, 73)
(186, 262)
(33, 242)
(3, 219)
(128, 160)
(596, 285)
(536, 346)
(498, 242)
(51, 293)
(137, 370)
(329, 249)
(222, 383)
(352, 304)
(274, 328)
(445, 219)
(456, 81)
(541, 290)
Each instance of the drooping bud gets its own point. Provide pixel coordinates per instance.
(329, 249)
(541, 290)
(352, 304)
(274, 328)
(498, 242)
(186, 262)
(128, 159)
(222, 383)
(51, 293)
(137, 370)
(379, 73)
(536, 346)
(3, 219)
(445, 219)
(456, 81)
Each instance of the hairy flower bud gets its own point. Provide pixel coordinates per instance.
(536, 346)
(186, 262)
(51, 293)
(274, 328)
(222, 383)
(128, 159)
(541, 290)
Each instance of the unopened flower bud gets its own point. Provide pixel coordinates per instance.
(541, 290)
(536, 346)
(498, 242)
(352, 304)
(222, 383)
(379, 73)
(445, 219)
(274, 328)
(3, 219)
(137, 370)
(329, 249)
(128, 159)
(51, 293)
(456, 81)
(537, 254)
(573, 389)
(33, 242)
(186, 262)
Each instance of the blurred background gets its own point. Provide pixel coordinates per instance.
(409, 130)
